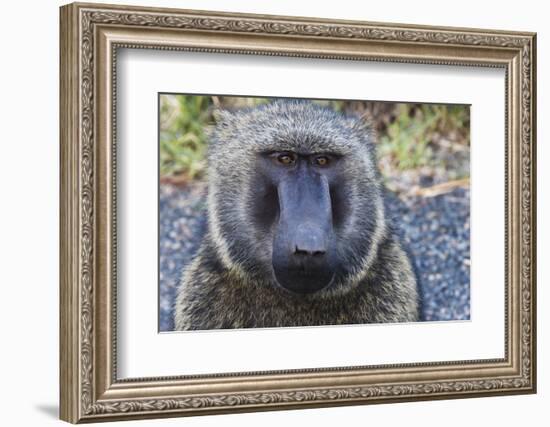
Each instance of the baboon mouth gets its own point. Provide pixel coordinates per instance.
(302, 282)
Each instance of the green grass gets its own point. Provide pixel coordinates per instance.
(410, 138)
(409, 134)
(182, 136)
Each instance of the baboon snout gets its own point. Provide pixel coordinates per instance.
(301, 246)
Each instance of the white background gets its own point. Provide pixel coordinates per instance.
(29, 171)
(143, 352)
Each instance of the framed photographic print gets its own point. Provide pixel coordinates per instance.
(266, 212)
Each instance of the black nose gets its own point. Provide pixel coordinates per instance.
(309, 242)
(308, 252)
(303, 261)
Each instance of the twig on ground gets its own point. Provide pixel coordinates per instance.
(438, 189)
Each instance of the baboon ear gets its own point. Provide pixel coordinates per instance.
(363, 125)
(223, 121)
(223, 118)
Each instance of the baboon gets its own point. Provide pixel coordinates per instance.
(297, 233)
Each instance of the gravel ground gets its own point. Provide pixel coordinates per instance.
(182, 225)
(435, 231)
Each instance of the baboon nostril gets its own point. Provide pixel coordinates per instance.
(299, 251)
(307, 252)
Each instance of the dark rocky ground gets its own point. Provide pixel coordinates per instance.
(182, 225)
(436, 233)
(435, 230)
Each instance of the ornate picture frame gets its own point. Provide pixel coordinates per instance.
(90, 37)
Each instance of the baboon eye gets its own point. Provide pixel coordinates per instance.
(286, 159)
(321, 160)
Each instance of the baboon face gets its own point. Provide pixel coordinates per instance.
(296, 205)
(294, 197)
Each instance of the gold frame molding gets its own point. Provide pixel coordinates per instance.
(90, 36)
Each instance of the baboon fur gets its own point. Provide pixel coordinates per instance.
(230, 282)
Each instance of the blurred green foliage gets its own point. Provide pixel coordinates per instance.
(409, 140)
(182, 136)
(409, 135)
